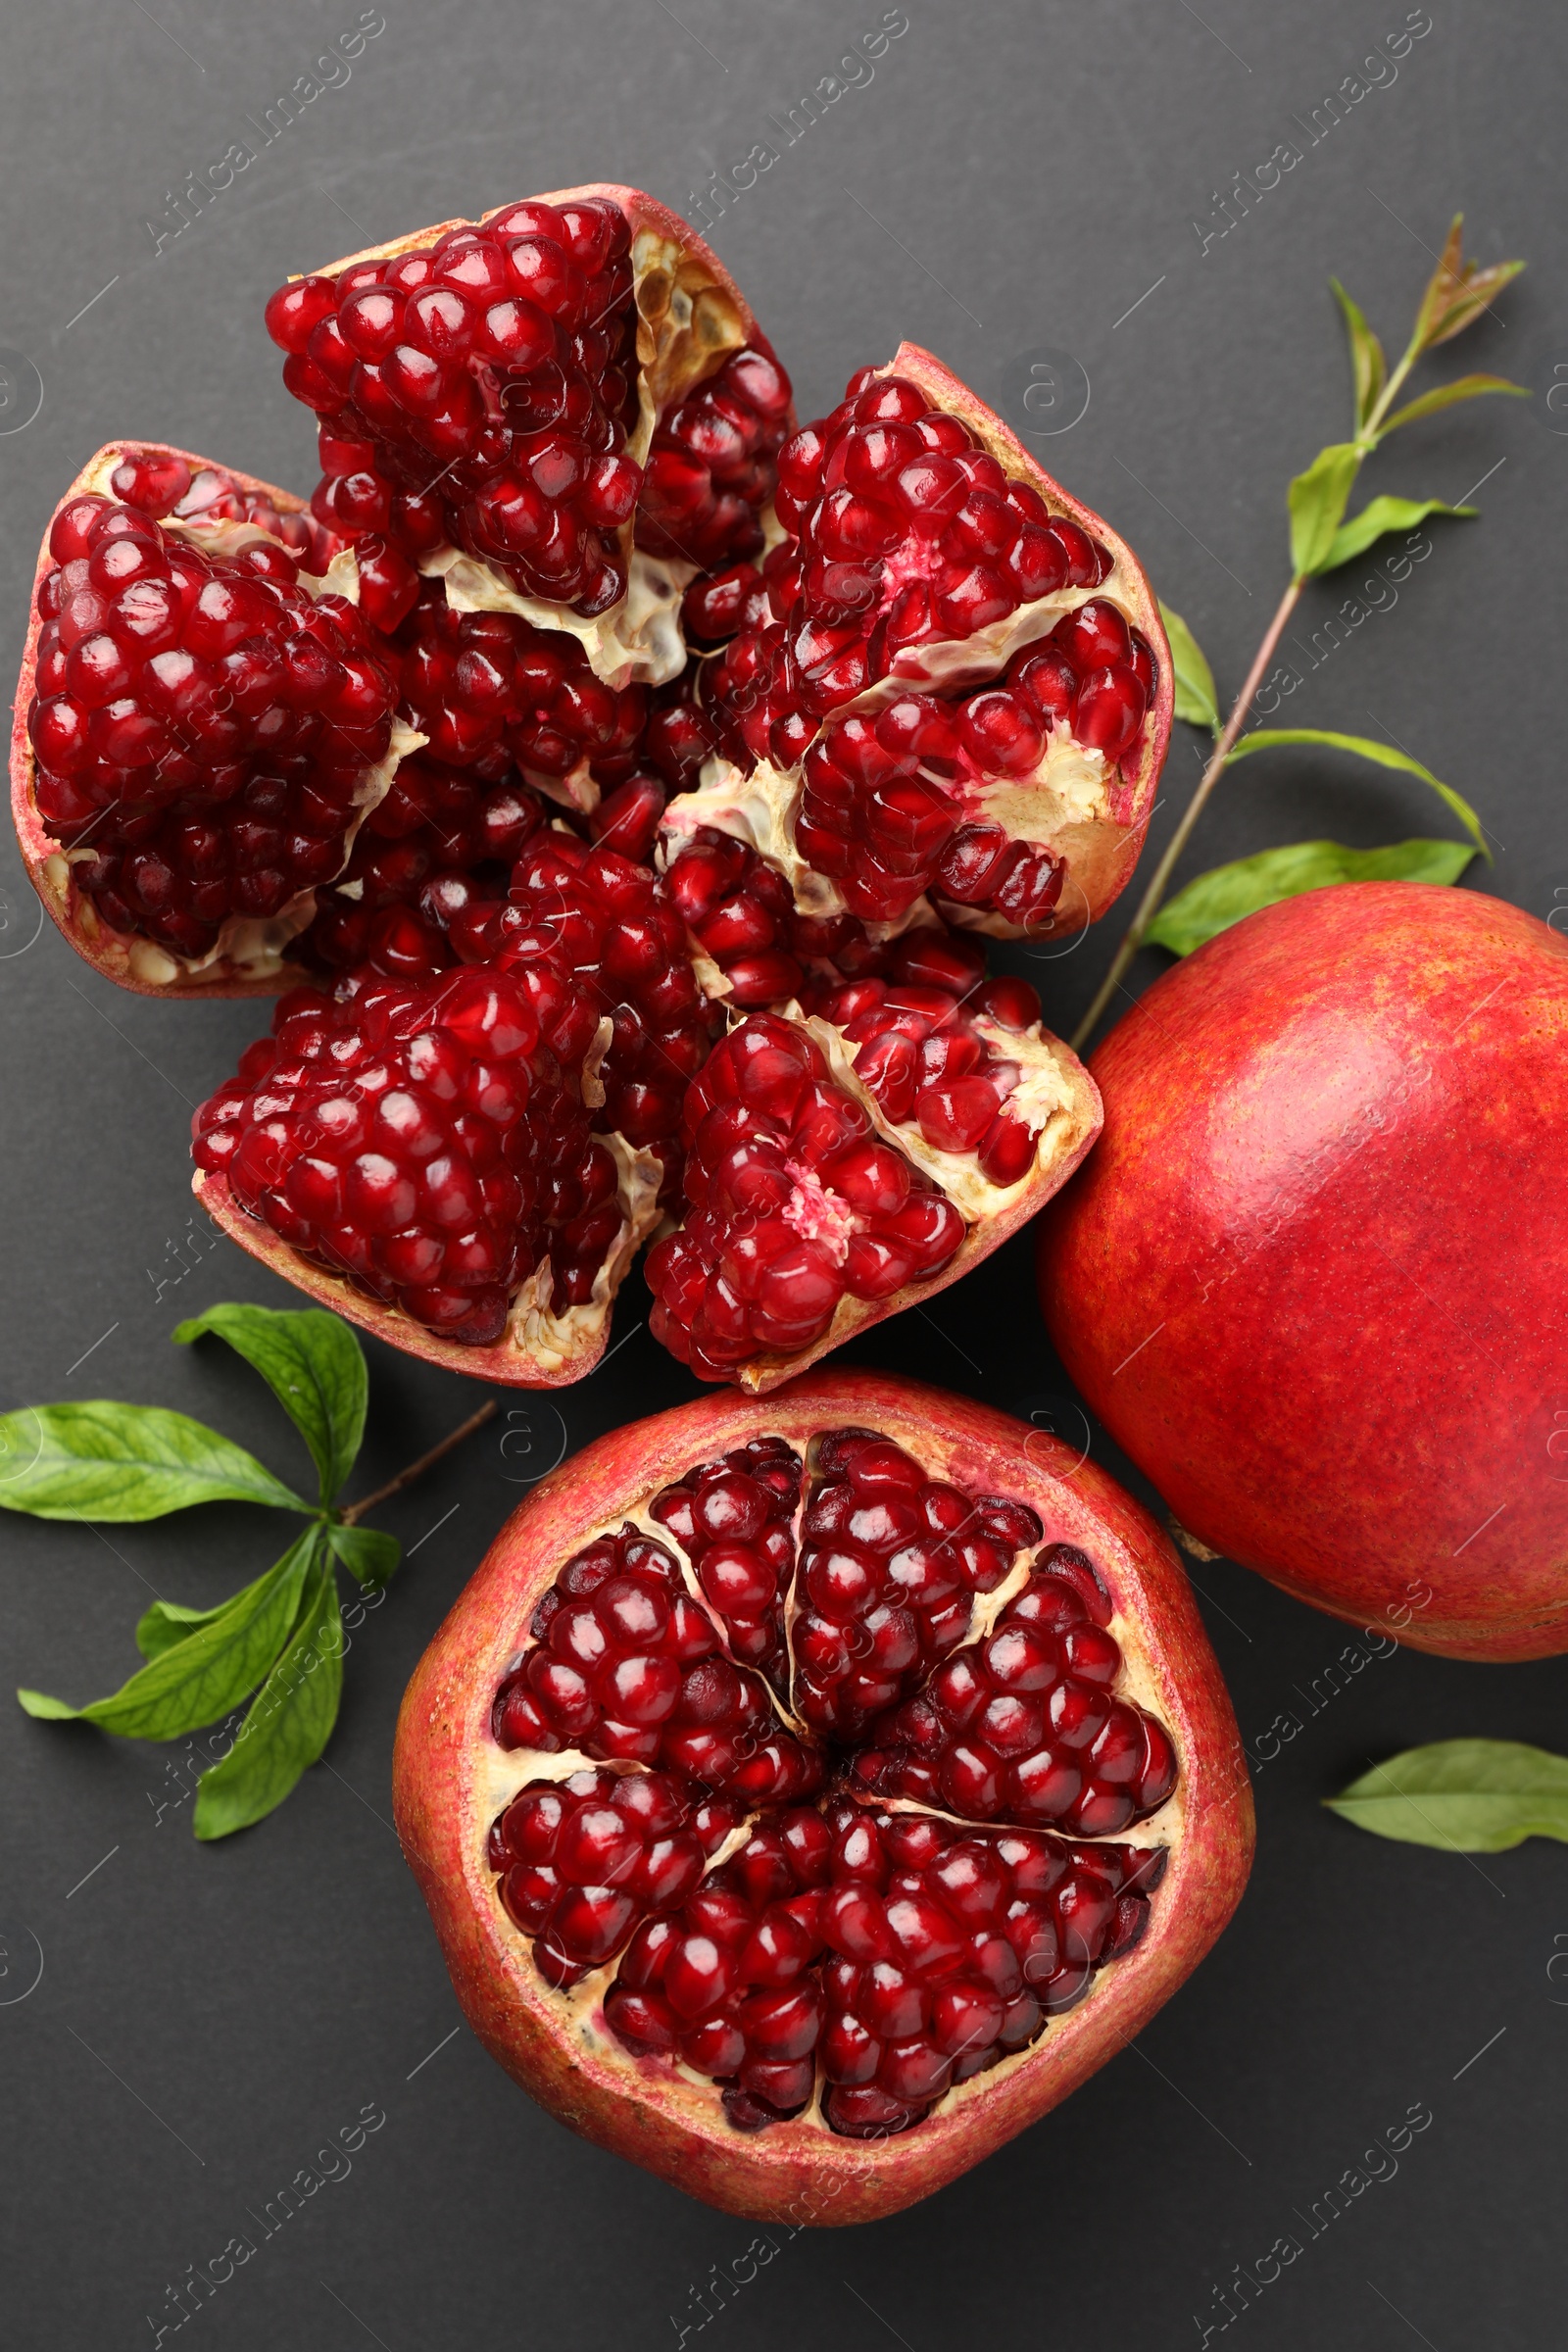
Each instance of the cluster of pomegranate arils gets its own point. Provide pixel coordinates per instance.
(833, 1823)
(697, 749)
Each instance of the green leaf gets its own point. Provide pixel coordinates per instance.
(314, 1366)
(289, 1723)
(1317, 502)
(1458, 292)
(218, 1663)
(1382, 754)
(1195, 699)
(47, 1710)
(1471, 1797)
(1378, 515)
(124, 1461)
(1447, 396)
(166, 1623)
(1217, 899)
(365, 1552)
(1366, 357)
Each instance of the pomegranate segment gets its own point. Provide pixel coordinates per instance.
(734, 1521)
(201, 730)
(486, 689)
(438, 846)
(421, 1146)
(564, 408)
(589, 935)
(695, 1906)
(759, 950)
(949, 679)
(832, 1177)
(798, 1215)
(892, 1565)
(627, 1664)
(1023, 1726)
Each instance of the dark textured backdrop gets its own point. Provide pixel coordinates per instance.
(1012, 178)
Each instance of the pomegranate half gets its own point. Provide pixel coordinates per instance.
(809, 1793)
(1314, 1280)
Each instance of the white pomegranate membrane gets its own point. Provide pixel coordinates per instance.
(825, 1771)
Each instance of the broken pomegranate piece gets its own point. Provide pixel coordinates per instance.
(200, 730)
(564, 408)
(950, 679)
(798, 1214)
(661, 1778)
(840, 1166)
(416, 1158)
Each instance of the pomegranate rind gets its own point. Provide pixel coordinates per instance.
(140, 964)
(1312, 1281)
(536, 1350)
(691, 315)
(448, 1771)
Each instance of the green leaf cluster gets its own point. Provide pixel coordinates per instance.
(278, 1641)
(1457, 293)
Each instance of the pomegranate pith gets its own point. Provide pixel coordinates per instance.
(632, 1776)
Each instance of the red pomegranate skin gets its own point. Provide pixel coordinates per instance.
(1314, 1279)
(442, 1804)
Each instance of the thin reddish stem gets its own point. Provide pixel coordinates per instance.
(405, 1478)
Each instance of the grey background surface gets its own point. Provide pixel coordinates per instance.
(1012, 178)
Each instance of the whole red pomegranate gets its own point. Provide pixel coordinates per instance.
(1315, 1279)
(809, 1794)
